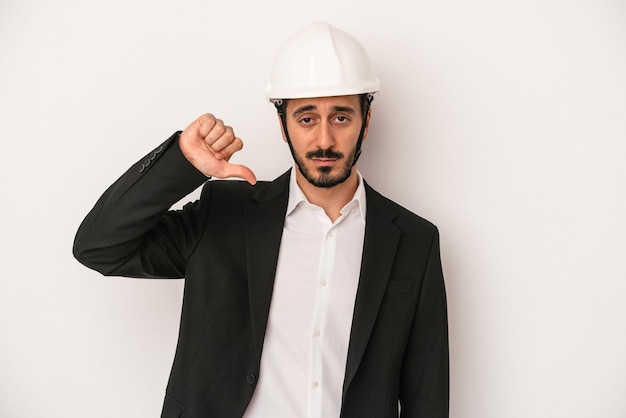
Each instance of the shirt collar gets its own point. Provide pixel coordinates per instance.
(297, 197)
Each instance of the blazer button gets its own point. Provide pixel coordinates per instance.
(251, 378)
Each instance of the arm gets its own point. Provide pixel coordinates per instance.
(424, 390)
(130, 231)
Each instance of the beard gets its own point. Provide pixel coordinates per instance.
(323, 176)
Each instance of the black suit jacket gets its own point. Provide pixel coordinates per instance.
(226, 247)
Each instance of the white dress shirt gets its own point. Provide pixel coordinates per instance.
(306, 341)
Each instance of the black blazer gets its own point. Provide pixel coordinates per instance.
(226, 247)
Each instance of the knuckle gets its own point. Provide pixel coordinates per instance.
(228, 133)
(220, 129)
(207, 119)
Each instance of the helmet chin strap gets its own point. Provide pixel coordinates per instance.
(366, 104)
(280, 108)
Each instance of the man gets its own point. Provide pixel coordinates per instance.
(309, 296)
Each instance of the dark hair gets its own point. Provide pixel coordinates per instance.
(365, 99)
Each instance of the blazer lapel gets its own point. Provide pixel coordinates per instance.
(379, 248)
(264, 221)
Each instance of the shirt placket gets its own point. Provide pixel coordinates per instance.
(325, 282)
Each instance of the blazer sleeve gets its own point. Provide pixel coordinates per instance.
(131, 231)
(424, 390)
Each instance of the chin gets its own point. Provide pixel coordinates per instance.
(326, 177)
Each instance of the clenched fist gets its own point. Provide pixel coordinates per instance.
(208, 144)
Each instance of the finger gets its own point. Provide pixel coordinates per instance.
(224, 141)
(204, 124)
(231, 147)
(218, 131)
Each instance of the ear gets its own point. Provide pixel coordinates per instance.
(282, 129)
(367, 123)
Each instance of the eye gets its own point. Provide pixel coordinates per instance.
(342, 119)
(306, 120)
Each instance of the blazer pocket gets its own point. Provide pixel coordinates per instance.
(399, 286)
(171, 408)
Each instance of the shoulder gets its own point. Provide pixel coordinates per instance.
(401, 216)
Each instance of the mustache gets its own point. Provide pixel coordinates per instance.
(324, 153)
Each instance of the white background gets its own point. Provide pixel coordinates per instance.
(503, 122)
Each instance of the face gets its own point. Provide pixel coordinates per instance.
(324, 132)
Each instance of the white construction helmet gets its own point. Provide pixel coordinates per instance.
(321, 61)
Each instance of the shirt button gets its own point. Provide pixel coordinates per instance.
(317, 333)
(316, 384)
(330, 234)
(251, 378)
(323, 283)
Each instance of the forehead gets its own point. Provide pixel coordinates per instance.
(324, 103)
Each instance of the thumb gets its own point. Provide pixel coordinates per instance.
(240, 171)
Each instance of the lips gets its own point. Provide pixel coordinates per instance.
(324, 154)
(324, 161)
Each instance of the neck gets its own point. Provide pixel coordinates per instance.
(331, 199)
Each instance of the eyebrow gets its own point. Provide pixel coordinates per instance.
(308, 108)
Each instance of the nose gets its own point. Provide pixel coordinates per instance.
(325, 138)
